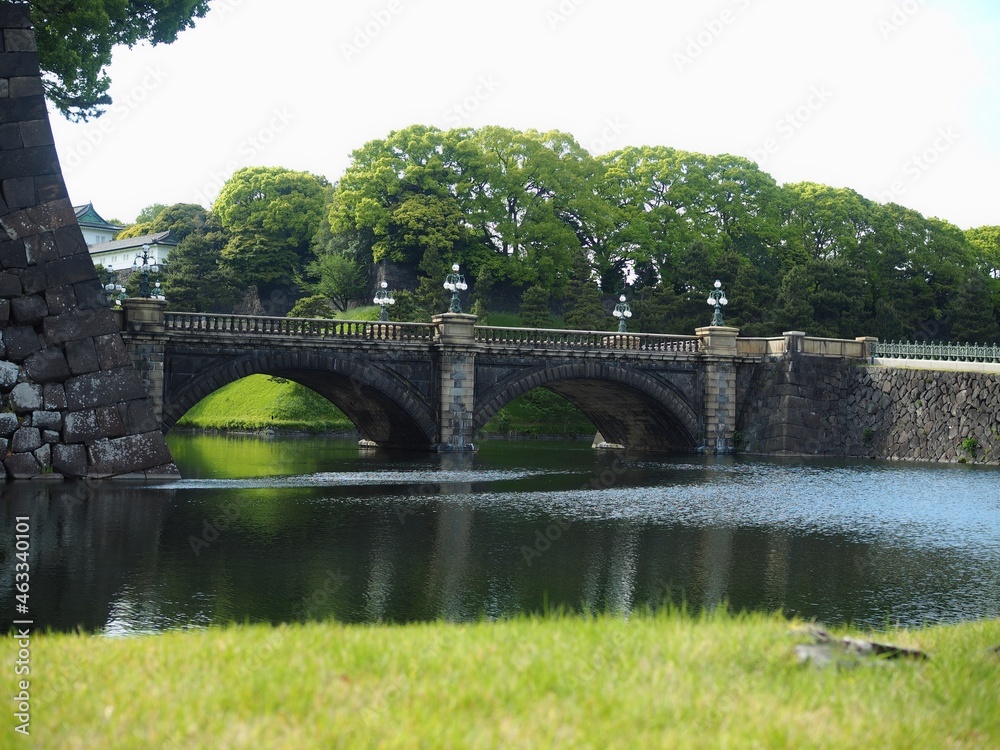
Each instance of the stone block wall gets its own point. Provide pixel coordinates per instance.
(925, 415)
(827, 407)
(71, 403)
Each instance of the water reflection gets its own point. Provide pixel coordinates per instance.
(366, 537)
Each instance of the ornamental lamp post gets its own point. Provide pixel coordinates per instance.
(717, 299)
(112, 287)
(145, 264)
(383, 298)
(623, 312)
(455, 282)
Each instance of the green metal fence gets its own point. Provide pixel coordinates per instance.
(937, 350)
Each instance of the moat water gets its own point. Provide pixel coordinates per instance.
(293, 529)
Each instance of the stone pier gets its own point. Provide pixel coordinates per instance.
(718, 346)
(456, 347)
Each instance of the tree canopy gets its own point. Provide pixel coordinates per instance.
(548, 232)
(522, 210)
(271, 215)
(75, 39)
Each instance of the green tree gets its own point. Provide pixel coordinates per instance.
(824, 222)
(985, 242)
(398, 193)
(340, 279)
(315, 306)
(512, 207)
(430, 298)
(899, 302)
(271, 215)
(971, 315)
(535, 307)
(180, 219)
(133, 281)
(528, 204)
(821, 298)
(657, 309)
(139, 229)
(584, 312)
(686, 219)
(406, 308)
(149, 213)
(196, 279)
(75, 40)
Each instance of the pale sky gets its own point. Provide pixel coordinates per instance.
(897, 99)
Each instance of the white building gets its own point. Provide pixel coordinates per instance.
(95, 229)
(119, 255)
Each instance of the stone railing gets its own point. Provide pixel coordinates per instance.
(794, 341)
(844, 348)
(760, 347)
(554, 338)
(932, 350)
(308, 327)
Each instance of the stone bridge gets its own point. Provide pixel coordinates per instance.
(72, 404)
(434, 386)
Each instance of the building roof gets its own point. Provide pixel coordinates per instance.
(86, 216)
(157, 238)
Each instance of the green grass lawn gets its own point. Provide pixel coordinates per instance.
(259, 401)
(666, 680)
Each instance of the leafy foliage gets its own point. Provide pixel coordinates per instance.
(315, 306)
(75, 39)
(584, 312)
(523, 210)
(196, 277)
(535, 307)
(541, 227)
(180, 219)
(271, 215)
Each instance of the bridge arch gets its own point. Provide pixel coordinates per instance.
(626, 405)
(385, 408)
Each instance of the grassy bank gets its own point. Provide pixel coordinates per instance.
(666, 680)
(260, 402)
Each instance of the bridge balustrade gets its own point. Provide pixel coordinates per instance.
(935, 350)
(308, 327)
(555, 338)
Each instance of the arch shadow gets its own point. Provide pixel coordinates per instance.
(386, 409)
(626, 405)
